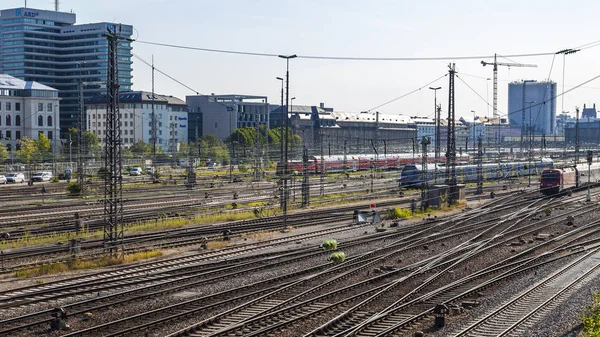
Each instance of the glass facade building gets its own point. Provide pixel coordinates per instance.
(49, 48)
(543, 111)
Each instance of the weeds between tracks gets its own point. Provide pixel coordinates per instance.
(78, 264)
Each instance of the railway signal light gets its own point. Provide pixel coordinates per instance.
(590, 157)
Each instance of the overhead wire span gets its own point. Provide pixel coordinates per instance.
(409, 93)
(167, 75)
(346, 58)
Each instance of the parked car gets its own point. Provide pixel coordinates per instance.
(42, 176)
(212, 165)
(2, 179)
(136, 171)
(15, 177)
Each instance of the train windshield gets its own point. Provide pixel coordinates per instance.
(550, 176)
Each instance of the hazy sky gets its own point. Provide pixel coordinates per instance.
(374, 28)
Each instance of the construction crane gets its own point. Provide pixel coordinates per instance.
(496, 64)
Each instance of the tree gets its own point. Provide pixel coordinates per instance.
(91, 142)
(27, 150)
(3, 153)
(43, 147)
(140, 148)
(184, 151)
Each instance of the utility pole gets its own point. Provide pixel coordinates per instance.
(257, 156)
(113, 183)
(173, 143)
(373, 164)
(436, 113)
(438, 133)
(479, 166)
(322, 177)
(345, 157)
(305, 181)
(530, 142)
(543, 145)
(565, 52)
(576, 136)
(590, 157)
(282, 124)
(451, 146)
(198, 140)
(81, 143)
(474, 129)
(424, 183)
(153, 119)
(287, 99)
(191, 178)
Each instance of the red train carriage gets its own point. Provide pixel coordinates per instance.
(353, 163)
(556, 180)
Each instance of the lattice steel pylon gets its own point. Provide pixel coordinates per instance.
(451, 146)
(113, 184)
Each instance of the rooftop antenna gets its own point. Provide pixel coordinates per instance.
(25, 3)
(56, 2)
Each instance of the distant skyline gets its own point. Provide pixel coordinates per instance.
(355, 29)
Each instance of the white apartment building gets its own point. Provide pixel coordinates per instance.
(27, 109)
(136, 119)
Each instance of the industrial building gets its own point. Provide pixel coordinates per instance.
(49, 48)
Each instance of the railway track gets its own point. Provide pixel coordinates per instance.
(511, 317)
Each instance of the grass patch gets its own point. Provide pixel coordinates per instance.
(405, 213)
(217, 244)
(79, 264)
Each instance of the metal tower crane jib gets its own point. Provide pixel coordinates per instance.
(496, 64)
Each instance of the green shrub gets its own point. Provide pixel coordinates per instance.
(102, 172)
(401, 213)
(330, 244)
(74, 188)
(591, 318)
(337, 257)
(243, 168)
(55, 179)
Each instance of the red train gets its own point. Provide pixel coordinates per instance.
(363, 162)
(556, 180)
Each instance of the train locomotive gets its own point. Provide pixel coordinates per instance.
(412, 175)
(556, 180)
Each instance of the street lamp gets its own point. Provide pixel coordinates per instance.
(436, 114)
(285, 115)
(530, 141)
(281, 129)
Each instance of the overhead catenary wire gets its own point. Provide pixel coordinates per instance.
(409, 93)
(347, 58)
